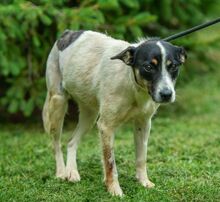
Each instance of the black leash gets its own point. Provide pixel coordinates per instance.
(193, 29)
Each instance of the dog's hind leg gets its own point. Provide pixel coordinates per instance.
(45, 114)
(87, 118)
(141, 134)
(54, 112)
(55, 108)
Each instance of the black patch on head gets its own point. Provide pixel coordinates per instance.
(148, 52)
(67, 38)
(147, 59)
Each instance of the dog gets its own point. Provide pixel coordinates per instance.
(112, 82)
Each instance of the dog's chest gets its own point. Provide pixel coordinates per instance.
(143, 106)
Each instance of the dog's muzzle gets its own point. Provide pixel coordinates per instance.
(165, 95)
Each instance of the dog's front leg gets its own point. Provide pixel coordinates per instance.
(141, 134)
(110, 170)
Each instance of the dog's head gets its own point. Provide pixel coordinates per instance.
(158, 63)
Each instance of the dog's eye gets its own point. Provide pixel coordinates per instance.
(148, 68)
(173, 68)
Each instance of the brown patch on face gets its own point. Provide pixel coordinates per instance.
(154, 61)
(168, 62)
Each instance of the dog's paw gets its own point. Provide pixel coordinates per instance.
(114, 189)
(73, 176)
(146, 182)
(61, 174)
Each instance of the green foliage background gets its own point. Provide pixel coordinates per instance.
(28, 30)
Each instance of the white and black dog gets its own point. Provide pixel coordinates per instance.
(113, 82)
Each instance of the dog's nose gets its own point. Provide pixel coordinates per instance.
(166, 94)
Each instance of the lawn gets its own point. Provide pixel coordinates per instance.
(183, 156)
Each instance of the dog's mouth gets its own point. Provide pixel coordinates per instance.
(162, 101)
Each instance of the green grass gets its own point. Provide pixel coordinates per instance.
(183, 157)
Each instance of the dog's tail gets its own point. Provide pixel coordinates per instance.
(53, 82)
(45, 115)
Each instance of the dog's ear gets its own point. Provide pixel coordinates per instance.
(127, 56)
(182, 54)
